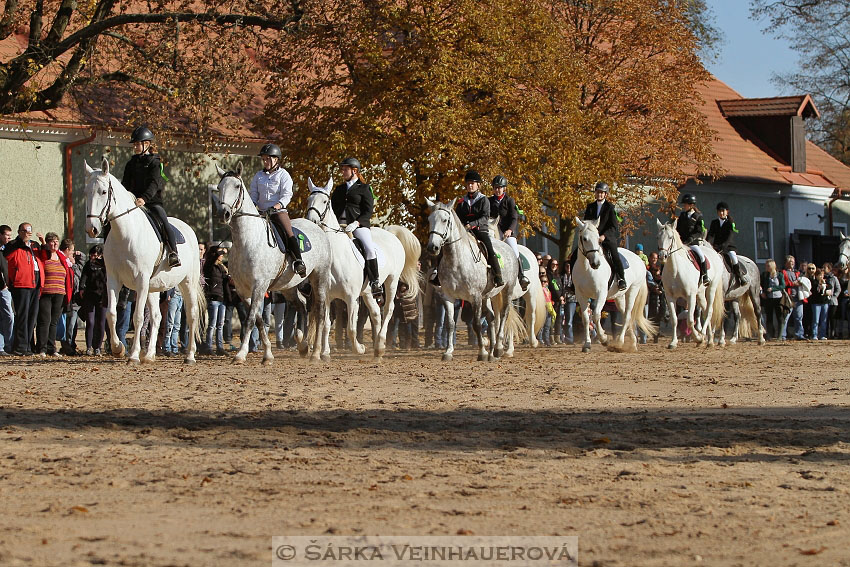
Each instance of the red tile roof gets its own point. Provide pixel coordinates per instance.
(742, 155)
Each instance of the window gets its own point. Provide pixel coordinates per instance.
(763, 238)
(839, 228)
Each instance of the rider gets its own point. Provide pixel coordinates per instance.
(690, 227)
(144, 178)
(271, 191)
(474, 212)
(353, 204)
(721, 234)
(504, 208)
(609, 231)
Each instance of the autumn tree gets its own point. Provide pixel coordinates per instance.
(819, 31)
(177, 64)
(553, 94)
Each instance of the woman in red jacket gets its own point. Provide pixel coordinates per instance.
(55, 294)
(25, 280)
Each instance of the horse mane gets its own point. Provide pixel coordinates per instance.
(465, 235)
(677, 240)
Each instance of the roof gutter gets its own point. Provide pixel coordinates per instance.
(69, 180)
(829, 209)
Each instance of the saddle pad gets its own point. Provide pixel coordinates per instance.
(695, 261)
(178, 236)
(622, 261)
(526, 265)
(303, 241)
(382, 259)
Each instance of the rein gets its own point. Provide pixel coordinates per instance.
(236, 207)
(103, 216)
(323, 214)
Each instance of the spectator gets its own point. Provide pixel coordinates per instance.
(124, 309)
(656, 303)
(55, 293)
(217, 292)
(171, 342)
(844, 302)
(771, 296)
(557, 293)
(545, 331)
(808, 270)
(7, 313)
(71, 315)
(93, 299)
(794, 318)
(25, 280)
(641, 255)
(569, 303)
(819, 300)
(830, 274)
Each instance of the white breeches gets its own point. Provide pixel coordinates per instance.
(364, 235)
(696, 249)
(511, 241)
(733, 258)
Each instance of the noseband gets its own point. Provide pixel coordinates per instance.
(103, 216)
(445, 234)
(840, 253)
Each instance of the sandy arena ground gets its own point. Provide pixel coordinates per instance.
(735, 456)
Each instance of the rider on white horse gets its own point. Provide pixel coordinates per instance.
(602, 210)
(144, 178)
(474, 212)
(690, 227)
(271, 192)
(721, 235)
(504, 208)
(353, 204)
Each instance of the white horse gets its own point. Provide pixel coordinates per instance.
(591, 276)
(135, 258)
(398, 248)
(746, 304)
(681, 279)
(463, 274)
(258, 265)
(843, 251)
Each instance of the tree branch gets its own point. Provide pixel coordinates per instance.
(7, 24)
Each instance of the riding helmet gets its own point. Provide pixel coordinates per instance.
(271, 150)
(688, 199)
(722, 206)
(601, 186)
(141, 134)
(351, 162)
(472, 175)
(500, 181)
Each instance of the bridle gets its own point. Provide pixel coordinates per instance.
(445, 234)
(669, 250)
(236, 207)
(584, 251)
(322, 214)
(840, 253)
(103, 215)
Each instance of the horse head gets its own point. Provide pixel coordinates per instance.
(441, 225)
(588, 241)
(231, 191)
(99, 198)
(843, 252)
(319, 204)
(667, 237)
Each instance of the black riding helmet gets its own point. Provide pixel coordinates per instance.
(601, 186)
(722, 206)
(351, 162)
(141, 134)
(271, 150)
(688, 199)
(500, 181)
(472, 175)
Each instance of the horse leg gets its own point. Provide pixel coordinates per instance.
(503, 323)
(138, 320)
(696, 331)
(374, 320)
(493, 347)
(736, 317)
(619, 343)
(356, 346)
(390, 288)
(256, 301)
(191, 295)
(671, 306)
(264, 334)
(476, 328)
(531, 317)
(755, 301)
(585, 319)
(113, 287)
(449, 307)
(156, 319)
(597, 319)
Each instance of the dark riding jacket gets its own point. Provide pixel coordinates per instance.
(357, 202)
(505, 210)
(609, 223)
(143, 178)
(476, 212)
(690, 229)
(722, 237)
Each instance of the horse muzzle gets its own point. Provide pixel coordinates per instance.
(433, 249)
(226, 214)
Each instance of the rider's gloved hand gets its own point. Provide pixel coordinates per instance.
(352, 226)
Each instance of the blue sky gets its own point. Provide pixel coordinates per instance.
(748, 57)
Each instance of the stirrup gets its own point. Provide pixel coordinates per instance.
(523, 281)
(621, 284)
(497, 280)
(173, 260)
(299, 268)
(705, 279)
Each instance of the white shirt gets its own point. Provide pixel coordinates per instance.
(599, 207)
(269, 189)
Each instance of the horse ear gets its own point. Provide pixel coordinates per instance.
(310, 185)
(239, 169)
(579, 223)
(221, 172)
(659, 224)
(89, 169)
(329, 185)
(675, 222)
(104, 165)
(842, 235)
(452, 204)
(431, 204)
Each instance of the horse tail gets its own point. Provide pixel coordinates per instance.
(539, 309)
(638, 317)
(747, 324)
(410, 274)
(718, 312)
(514, 323)
(201, 306)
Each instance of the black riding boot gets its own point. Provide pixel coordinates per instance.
(372, 272)
(523, 281)
(703, 273)
(294, 249)
(497, 273)
(742, 276)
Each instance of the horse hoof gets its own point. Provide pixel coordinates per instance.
(585, 348)
(447, 357)
(327, 357)
(671, 346)
(238, 360)
(119, 351)
(482, 357)
(267, 361)
(132, 361)
(188, 360)
(360, 350)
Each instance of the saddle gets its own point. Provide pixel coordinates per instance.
(280, 238)
(160, 230)
(610, 261)
(695, 261)
(483, 250)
